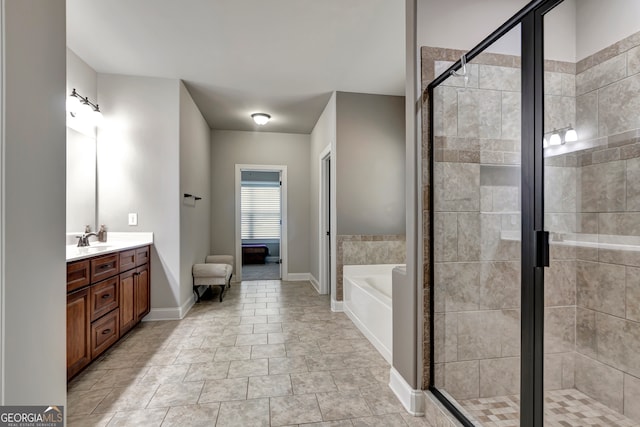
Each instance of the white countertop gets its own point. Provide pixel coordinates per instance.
(115, 242)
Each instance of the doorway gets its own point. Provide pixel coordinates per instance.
(261, 244)
(324, 231)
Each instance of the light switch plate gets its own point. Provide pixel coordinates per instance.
(133, 219)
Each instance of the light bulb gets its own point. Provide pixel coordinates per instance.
(260, 118)
(555, 139)
(97, 117)
(85, 110)
(73, 105)
(571, 135)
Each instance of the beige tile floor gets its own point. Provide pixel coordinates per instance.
(271, 354)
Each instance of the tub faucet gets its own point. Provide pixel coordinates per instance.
(84, 239)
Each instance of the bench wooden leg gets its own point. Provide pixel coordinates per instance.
(195, 291)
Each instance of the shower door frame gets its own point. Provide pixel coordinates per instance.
(534, 243)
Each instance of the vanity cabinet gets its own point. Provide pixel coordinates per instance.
(106, 297)
(78, 331)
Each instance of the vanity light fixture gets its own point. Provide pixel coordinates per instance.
(80, 107)
(560, 136)
(260, 118)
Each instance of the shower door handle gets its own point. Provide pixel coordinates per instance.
(541, 245)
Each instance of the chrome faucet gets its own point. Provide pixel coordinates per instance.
(84, 239)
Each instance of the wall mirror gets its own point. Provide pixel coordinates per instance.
(81, 181)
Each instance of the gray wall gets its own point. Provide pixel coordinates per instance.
(613, 19)
(323, 134)
(138, 171)
(370, 134)
(34, 299)
(439, 22)
(195, 152)
(407, 292)
(229, 148)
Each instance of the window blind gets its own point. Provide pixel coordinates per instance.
(260, 212)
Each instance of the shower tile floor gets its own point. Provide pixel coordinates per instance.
(563, 408)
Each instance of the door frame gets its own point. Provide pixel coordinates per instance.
(324, 218)
(284, 265)
(2, 204)
(534, 244)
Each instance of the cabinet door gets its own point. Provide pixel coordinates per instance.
(143, 293)
(127, 297)
(78, 333)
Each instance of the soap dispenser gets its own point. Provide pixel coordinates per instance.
(102, 233)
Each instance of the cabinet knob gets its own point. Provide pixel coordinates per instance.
(106, 331)
(105, 296)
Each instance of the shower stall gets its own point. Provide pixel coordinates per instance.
(534, 219)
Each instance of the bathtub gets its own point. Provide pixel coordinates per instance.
(367, 302)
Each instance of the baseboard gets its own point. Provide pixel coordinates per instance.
(314, 282)
(170, 313)
(411, 399)
(337, 306)
(299, 277)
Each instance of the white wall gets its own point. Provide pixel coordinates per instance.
(601, 23)
(323, 134)
(229, 148)
(81, 149)
(34, 297)
(560, 32)
(370, 139)
(195, 220)
(138, 171)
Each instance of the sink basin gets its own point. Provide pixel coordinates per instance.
(93, 249)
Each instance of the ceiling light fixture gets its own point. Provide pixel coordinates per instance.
(79, 106)
(260, 118)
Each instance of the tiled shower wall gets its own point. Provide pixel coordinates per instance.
(592, 299)
(608, 204)
(360, 249)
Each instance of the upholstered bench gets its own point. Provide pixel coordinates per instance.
(216, 271)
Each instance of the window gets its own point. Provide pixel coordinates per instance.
(260, 206)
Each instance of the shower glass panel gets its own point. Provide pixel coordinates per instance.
(592, 211)
(477, 250)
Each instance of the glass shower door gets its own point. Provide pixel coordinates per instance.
(592, 212)
(477, 222)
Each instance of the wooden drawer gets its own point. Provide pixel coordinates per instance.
(104, 332)
(78, 275)
(142, 255)
(127, 260)
(104, 267)
(104, 297)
